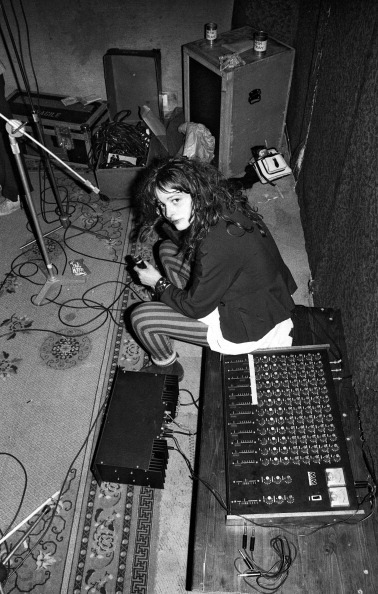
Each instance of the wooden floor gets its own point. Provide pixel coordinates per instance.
(338, 559)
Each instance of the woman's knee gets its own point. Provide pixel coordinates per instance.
(167, 249)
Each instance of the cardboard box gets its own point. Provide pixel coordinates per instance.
(117, 183)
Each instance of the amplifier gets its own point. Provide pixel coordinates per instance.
(286, 454)
(67, 130)
(130, 449)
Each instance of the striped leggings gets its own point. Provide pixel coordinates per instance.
(155, 323)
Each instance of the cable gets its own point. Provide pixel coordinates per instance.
(195, 402)
(23, 490)
(54, 509)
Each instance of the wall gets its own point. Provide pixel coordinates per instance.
(68, 39)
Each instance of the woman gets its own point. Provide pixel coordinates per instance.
(225, 285)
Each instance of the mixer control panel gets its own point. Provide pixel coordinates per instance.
(286, 454)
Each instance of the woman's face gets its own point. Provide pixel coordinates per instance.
(176, 207)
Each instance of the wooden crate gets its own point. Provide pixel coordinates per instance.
(223, 100)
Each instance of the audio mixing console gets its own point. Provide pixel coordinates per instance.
(286, 454)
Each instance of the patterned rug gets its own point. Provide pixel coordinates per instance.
(57, 363)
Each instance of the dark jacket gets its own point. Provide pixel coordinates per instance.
(241, 273)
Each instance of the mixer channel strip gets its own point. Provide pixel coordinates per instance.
(286, 454)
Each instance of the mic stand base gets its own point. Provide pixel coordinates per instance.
(56, 281)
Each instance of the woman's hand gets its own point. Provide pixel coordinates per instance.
(148, 276)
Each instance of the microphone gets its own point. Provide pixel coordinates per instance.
(138, 261)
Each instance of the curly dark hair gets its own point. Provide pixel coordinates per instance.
(213, 198)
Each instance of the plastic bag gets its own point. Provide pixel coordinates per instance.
(199, 142)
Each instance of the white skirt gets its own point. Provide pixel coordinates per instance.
(278, 337)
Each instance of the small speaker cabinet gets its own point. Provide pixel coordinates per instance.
(243, 106)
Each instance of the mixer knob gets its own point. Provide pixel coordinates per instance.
(313, 439)
(263, 441)
(332, 437)
(262, 422)
(334, 447)
(302, 439)
(279, 499)
(294, 450)
(331, 428)
(315, 459)
(296, 460)
(315, 400)
(269, 500)
(290, 499)
(275, 461)
(321, 430)
(262, 431)
(286, 460)
(277, 479)
(274, 451)
(301, 430)
(310, 429)
(314, 450)
(267, 480)
(279, 410)
(327, 408)
(282, 430)
(264, 451)
(306, 460)
(326, 459)
(287, 479)
(284, 450)
(336, 457)
(272, 430)
(269, 402)
(303, 450)
(271, 421)
(265, 462)
(273, 440)
(324, 449)
(283, 440)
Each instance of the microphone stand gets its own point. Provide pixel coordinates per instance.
(5, 561)
(64, 216)
(52, 280)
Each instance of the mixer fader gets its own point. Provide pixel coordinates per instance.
(286, 454)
